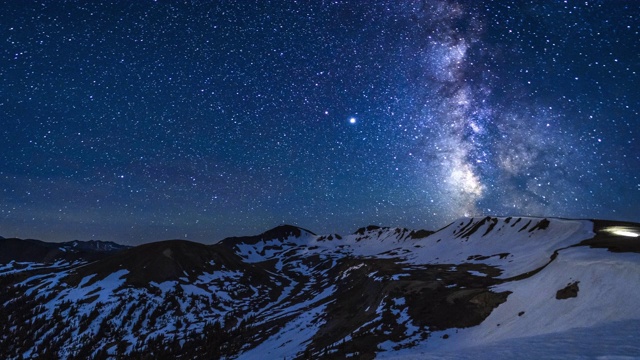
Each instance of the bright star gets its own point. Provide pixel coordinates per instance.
(352, 120)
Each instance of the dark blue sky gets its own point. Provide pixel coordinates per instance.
(137, 121)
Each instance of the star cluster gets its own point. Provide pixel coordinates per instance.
(140, 121)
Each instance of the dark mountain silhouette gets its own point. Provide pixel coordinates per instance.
(31, 250)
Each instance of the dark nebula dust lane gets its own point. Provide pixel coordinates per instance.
(139, 121)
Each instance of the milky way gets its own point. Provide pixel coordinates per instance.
(140, 121)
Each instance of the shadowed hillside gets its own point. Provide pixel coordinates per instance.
(291, 293)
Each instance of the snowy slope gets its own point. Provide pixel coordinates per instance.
(479, 283)
(612, 341)
(607, 293)
(519, 247)
(515, 245)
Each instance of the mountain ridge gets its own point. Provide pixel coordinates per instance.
(42, 251)
(288, 292)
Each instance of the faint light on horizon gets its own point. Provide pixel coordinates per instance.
(626, 233)
(622, 231)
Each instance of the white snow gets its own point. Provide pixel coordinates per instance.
(608, 291)
(476, 273)
(532, 323)
(164, 286)
(291, 339)
(104, 288)
(16, 266)
(616, 340)
(602, 322)
(532, 309)
(527, 250)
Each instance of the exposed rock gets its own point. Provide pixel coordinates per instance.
(569, 291)
(542, 224)
(525, 226)
(362, 230)
(419, 234)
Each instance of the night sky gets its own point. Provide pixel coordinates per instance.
(137, 121)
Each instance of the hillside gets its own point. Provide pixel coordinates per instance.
(478, 283)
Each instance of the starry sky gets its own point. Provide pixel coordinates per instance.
(137, 121)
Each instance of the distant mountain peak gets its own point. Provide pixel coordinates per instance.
(282, 232)
(93, 245)
(363, 230)
(37, 251)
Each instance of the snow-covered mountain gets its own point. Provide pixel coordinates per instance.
(478, 283)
